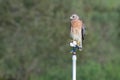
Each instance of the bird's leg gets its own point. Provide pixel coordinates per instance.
(79, 44)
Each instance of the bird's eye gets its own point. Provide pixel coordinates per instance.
(73, 16)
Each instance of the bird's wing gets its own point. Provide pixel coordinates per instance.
(83, 32)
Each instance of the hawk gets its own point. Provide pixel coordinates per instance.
(77, 30)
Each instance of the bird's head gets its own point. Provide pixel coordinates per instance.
(74, 17)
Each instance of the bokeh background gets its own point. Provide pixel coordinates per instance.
(34, 39)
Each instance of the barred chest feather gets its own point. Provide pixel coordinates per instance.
(76, 33)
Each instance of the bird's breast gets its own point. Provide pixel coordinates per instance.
(76, 23)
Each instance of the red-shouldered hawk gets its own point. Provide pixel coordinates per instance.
(77, 30)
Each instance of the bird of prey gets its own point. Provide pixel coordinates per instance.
(77, 30)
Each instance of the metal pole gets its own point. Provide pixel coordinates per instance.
(74, 58)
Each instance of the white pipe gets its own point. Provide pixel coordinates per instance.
(74, 58)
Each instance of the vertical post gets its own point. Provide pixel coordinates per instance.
(74, 58)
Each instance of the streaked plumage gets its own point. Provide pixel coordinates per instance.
(77, 29)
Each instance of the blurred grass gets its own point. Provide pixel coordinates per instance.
(34, 39)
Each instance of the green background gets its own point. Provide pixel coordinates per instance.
(34, 39)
